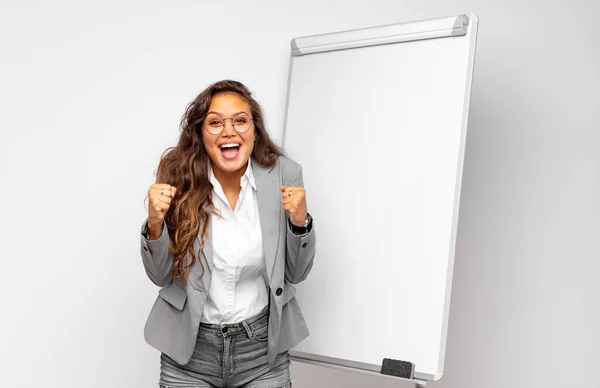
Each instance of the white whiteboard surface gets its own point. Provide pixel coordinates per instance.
(378, 122)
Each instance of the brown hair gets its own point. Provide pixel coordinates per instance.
(185, 166)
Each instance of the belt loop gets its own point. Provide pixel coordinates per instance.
(248, 331)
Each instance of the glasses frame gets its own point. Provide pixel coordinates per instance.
(232, 124)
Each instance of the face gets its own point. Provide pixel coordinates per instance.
(229, 151)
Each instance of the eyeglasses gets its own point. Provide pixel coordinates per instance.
(241, 123)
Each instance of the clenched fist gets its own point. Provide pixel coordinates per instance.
(160, 196)
(294, 202)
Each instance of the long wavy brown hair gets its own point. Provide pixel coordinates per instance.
(185, 166)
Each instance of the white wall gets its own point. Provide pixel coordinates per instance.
(91, 94)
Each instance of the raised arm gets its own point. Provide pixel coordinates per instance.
(157, 259)
(300, 249)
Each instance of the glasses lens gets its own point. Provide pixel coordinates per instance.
(214, 125)
(241, 123)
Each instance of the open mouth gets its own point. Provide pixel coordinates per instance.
(230, 150)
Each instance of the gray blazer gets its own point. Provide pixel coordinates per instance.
(173, 323)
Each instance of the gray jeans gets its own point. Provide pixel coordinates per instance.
(232, 355)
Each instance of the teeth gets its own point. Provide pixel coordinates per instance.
(229, 145)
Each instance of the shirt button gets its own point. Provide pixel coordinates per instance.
(304, 245)
(279, 291)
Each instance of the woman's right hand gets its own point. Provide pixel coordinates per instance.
(160, 196)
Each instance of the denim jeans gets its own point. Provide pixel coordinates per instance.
(231, 355)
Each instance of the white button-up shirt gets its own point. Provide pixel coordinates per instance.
(238, 289)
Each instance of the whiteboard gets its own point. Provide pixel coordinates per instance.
(377, 118)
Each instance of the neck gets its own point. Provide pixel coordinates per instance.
(229, 180)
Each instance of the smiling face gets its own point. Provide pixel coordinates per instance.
(229, 151)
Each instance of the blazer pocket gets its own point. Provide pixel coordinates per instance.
(174, 295)
(288, 292)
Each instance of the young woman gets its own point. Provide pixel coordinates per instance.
(227, 234)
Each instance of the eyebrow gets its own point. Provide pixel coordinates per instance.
(217, 113)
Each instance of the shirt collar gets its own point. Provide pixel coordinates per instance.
(250, 174)
(247, 175)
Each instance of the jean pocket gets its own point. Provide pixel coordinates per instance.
(260, 334)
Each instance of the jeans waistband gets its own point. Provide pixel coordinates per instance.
(238, 327)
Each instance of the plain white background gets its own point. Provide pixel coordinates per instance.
(91, 94)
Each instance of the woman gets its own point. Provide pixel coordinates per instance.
(227, 235)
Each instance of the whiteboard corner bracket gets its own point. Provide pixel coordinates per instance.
(294, 46)
(460, 25)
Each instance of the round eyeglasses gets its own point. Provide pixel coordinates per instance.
(241, 123)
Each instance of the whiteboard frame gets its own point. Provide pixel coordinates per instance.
(445, 27)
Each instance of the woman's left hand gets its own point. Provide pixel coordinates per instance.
(294, 202)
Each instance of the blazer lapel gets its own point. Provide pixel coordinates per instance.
(269, 210)
(206, 257)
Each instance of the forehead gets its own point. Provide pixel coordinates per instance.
(228, 102)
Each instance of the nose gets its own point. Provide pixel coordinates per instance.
(228, 129)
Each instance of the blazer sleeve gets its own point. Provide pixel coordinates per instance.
(300, 249)
(156, 257)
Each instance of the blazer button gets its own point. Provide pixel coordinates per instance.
(279, 291)
(304, 245)
(145, 248)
